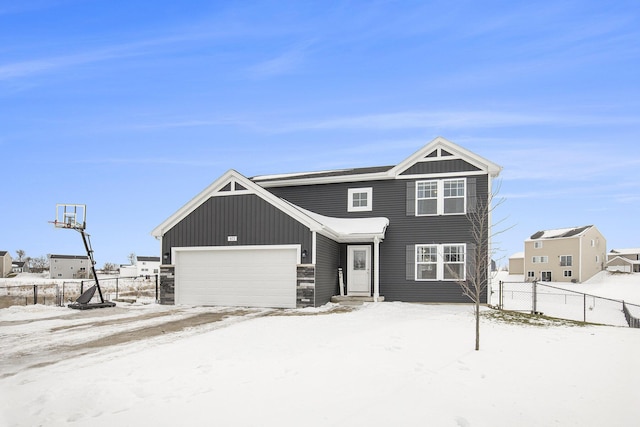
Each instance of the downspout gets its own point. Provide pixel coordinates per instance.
(376, 269)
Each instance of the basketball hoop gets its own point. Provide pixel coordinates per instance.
(71, 216)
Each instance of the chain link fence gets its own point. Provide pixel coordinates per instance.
(126, 289)
(542, 298)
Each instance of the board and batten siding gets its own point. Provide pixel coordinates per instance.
(390, 200)
(327, 263)
(247, 218)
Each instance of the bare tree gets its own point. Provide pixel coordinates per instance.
(132, 258)
(39, 264)
(480, 253)
(109, 267)
(20, 253)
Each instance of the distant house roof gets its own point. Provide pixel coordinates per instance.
(148, 258)
(517, 255)
(622, 259)
(560, 233)
(626, 251)
(68, 257)
(18, 263)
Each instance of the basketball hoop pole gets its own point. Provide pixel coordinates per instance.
(74, 217)
(87, 246)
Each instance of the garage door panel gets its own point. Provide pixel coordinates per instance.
(262, 277)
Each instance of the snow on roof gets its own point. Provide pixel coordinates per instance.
(559, 232)
(517, 255)
(350, 227)
(626, 251)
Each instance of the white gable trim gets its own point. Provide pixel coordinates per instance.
(456, 151)
(233, 178)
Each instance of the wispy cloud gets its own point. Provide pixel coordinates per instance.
(283, 63)
(451, 119)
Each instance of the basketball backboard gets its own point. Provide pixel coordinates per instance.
(71, 216)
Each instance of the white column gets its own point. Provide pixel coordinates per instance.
(376, 269)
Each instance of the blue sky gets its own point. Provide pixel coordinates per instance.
(135, 108)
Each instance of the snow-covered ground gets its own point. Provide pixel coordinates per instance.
(382, 364)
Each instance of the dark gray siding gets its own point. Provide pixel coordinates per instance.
(443, 166)
(250, 218)
(327, 262)
(389, 200)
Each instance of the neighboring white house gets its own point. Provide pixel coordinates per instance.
(625, 260)
(69, 267)
(144, 266)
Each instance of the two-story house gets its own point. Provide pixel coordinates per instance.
(401, 232)
(69, 267)
(565, 255)
(624, 260)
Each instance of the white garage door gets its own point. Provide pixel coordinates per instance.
(239, 277)
(622, 268)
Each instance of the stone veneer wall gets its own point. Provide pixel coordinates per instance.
(306, 286)
(167, 284)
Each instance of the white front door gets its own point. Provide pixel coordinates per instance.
(359, 270)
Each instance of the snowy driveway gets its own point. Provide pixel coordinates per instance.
(39, 336)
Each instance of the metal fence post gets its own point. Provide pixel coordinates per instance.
(500, 296)
(534, 296)
(156, 288)
(35, 294)
(117, 281)
(584, 307)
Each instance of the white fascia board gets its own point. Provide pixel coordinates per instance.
(213, 190)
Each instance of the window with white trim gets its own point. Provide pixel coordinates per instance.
(360, 199)
(537, 245)
(568, 273)
(441, 197)
(566, 261)
(531, 274)
(540, 259)
(444, 262)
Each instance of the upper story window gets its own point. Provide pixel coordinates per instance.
(540, 259)
(360, 199)
(442, 197)
(537, 245)
(566, 261)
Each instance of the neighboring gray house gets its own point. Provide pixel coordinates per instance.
(625, 260)
(296, 240)
(69, 267)
(5, 263)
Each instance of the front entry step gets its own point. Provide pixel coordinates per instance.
(351, 300)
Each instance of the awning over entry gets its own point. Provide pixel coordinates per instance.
(345, 230)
